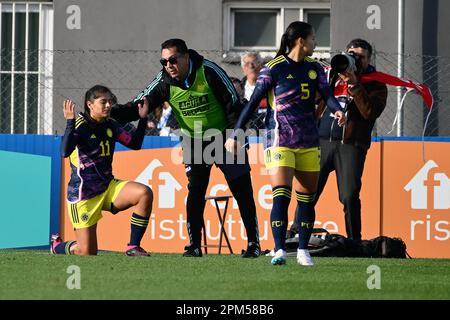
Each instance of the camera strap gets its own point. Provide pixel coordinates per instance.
(339, 89)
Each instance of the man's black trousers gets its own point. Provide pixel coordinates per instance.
(238, 178)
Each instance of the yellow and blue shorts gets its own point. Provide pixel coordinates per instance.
(86, 213)
(300, 159)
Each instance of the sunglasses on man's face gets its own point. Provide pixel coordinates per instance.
(173, 60)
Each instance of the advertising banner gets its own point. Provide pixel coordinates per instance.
(163, 171)
(416, 196)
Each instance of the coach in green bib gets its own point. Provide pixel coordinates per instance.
(205, 104)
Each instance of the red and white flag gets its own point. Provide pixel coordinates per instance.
(420, 88)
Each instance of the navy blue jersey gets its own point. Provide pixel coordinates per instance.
(91, 148)
(290, 88)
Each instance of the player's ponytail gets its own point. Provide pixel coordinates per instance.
(92, 94)
(297, 29)
(283, 46)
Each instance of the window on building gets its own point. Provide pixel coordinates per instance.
(251, 26)
(26, 35)
(320, 20)
(254, 29)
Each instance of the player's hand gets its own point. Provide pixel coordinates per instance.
(349, 77)
(340, 117)
(143, 108)
(232, 145)
(69, 109)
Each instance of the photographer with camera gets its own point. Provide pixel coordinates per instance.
(344, 149)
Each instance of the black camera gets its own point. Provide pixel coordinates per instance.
(346, 62)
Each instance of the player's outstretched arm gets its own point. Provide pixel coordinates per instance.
(69, 141)
(135, 139)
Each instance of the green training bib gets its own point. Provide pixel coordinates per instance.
(197, 109)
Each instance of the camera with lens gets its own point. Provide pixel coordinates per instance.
(346, 62)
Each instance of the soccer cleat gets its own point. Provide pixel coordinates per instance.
(271, 253)
(280, 257)
(253, 250)
(192, 251)
(54, 242)
(304, 258)
(136, 251)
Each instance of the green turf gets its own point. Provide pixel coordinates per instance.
(26, 274)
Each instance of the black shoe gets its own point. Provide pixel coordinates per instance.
(253, 250)
(137, 251)
(192, 251)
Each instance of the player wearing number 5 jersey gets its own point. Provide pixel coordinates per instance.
(290, 82)
(89, 141)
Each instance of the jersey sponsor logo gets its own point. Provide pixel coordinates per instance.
(194, 105)
(278, 156)
(193, 102)
(109, 132)
(312, 74)
(193, 112)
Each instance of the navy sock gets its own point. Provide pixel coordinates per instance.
(64, 247)
(306, 216)
(138, 226)
(279, 215)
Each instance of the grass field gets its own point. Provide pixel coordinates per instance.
(26, 274)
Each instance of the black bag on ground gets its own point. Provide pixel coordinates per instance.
(384, 247)
(324, 244)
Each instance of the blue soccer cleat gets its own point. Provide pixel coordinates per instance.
(280, 258)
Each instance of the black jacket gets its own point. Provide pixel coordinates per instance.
(367, 104)
(158, 91)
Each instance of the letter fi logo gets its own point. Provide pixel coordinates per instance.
(163, 184)
(429, 188)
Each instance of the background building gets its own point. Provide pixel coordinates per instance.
(53, 50)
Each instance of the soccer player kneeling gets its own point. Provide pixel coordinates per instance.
(89, 141)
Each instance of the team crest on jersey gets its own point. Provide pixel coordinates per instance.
(84, 217)
(278, 156)
(312, 75)
(109, 132)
